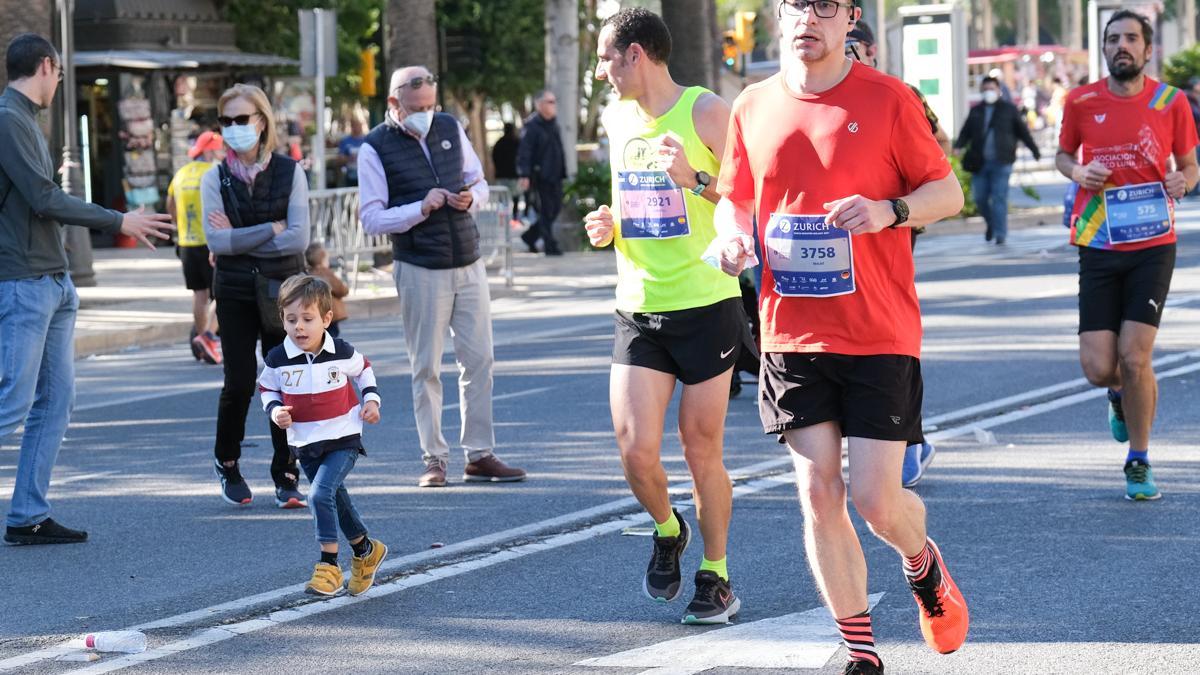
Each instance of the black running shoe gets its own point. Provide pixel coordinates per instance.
(662, 581)
(45, 532)
(233, 488)
(714, 601)
(862, 668)
(287, 492)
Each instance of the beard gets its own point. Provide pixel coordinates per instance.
(1125, 70)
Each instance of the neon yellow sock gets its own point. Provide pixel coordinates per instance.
(670, 528)
(718, 566)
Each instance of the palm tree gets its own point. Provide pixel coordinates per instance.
(412, 37)
(562, 69)
(694, 54)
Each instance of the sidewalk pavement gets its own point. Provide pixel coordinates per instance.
(140, 299)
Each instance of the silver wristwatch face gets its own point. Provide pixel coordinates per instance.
(703, 178)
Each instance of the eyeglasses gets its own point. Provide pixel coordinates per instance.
(418, 82)
(59, 67)
(239, 120)
(824, 9)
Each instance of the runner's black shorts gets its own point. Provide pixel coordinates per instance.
(694, 345)
(877, 397)
(1116, 286)
(197, 273)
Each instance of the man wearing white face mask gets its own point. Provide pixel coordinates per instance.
(990, 135)
(418, 180)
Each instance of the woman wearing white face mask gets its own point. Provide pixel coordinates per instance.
(256, 221)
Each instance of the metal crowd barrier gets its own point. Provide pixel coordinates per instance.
(333, 218)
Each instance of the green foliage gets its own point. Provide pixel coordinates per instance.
(1182, 67)
(964, 180)
(507, 41)
(274, 28)
(590, 188)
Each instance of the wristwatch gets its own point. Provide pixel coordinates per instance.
(703, 180)
(901, 210)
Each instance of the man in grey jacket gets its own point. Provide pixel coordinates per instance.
(37, 299)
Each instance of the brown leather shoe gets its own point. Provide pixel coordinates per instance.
(434, 476)
(491, 470)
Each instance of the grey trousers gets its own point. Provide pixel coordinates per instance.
(432, 301)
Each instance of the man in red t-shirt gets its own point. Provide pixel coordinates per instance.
(1118, 136)
(839, 160)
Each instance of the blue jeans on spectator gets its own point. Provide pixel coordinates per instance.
(990, 187)
(328, 499)
(37, 382)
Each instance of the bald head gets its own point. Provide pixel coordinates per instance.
(412, 89)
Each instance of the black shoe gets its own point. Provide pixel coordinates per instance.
(862, 668)
(530, 238)
(45, 532)
(735, 386)
(987, 236)
(233, 488)
(999, 241)
(287, 492)
(662, 581)
(714, 601)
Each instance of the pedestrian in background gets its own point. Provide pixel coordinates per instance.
(542, 167)
(348, 152)
(184, 204)
(318, 265)
(504, 161)
(418, 180)
(256, 222)
(38, 302)
(990, 137)
(306, 390)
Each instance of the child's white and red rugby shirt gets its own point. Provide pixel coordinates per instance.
(326, 415)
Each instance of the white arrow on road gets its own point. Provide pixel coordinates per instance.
(798, 640)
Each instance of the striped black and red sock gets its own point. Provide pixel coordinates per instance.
(859, 638)
(917, 566)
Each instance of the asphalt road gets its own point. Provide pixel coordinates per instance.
(1025, 499)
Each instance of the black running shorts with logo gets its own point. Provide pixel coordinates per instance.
(1116, 286)
(877, 397)
(694, 345)
(197, 273)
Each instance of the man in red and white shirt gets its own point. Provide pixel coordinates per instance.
(839, 162)
(1120, 137)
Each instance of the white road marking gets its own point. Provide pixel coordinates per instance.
(1018, 399)
(798, 640)
(214, 634)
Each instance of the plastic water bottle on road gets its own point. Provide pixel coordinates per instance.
(124, 641)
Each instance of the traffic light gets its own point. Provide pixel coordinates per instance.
(366, 71)
(743, 31)
(729, 50)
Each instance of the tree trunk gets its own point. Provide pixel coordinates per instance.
(692, 50)
(412, 35)
(25, 16)
(562, 70)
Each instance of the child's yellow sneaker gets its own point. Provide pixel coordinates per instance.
(326, 580)
(362, 570)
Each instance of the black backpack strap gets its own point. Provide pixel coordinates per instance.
(229, 196)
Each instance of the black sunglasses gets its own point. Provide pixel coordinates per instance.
(418, 82)
(239, 120)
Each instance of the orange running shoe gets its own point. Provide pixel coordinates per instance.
(944, 618)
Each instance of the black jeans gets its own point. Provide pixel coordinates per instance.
(550, 199)
(241, 328)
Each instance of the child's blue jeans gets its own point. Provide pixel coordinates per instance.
(328, 499)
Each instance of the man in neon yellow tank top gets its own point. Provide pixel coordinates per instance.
(677, 318)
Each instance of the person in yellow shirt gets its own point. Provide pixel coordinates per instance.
(183, 203)
(677, 319)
